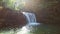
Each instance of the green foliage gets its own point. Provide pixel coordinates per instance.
(13, 4)
(1, 2)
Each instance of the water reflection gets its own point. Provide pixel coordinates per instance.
(23, 30)
(33, 29)
(28, 28)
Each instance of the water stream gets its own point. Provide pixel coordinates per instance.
(31, 21)
(31, 18)
(32, 27)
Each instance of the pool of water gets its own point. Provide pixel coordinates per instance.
(39, 29)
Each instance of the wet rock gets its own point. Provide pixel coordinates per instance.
(11, 18)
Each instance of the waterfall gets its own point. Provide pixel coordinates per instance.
(31, 18)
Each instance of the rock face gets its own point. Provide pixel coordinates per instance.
(11, 18)
(50, 13)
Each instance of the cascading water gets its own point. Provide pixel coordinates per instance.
(31, 22)
(31, 18)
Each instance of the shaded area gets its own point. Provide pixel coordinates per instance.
(47, 11)
(41, 29)
(11, 18)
